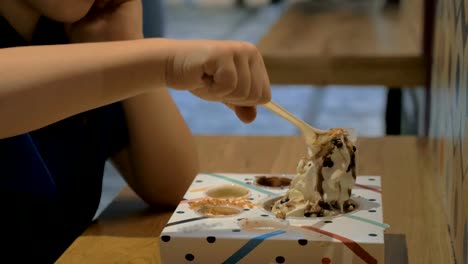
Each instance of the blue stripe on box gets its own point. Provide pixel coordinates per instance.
(249, 186)
(249, 246)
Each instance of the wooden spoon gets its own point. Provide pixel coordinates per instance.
(310, 133)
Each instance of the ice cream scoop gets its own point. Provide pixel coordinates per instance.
(324, 179)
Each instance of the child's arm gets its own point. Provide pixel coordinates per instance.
(161, 159)
(44, 84)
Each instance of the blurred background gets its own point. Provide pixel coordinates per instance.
(323, 108)
(362, 107)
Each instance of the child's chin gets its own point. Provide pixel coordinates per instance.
(66, 11)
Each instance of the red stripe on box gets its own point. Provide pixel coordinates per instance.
(353, 246)
(368, 188)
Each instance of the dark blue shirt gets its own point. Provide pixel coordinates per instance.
(51, 178)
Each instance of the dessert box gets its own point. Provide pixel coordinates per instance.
(226, 218)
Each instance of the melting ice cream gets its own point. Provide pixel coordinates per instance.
(324, 179)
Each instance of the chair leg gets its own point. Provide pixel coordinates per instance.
(393, 111)
(393, 2)
(240, 3)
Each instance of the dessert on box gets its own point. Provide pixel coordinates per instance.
(244, 230)
(323, 214)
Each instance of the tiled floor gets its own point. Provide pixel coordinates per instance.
(324, 107)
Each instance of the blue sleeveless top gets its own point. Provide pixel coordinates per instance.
(51, 178)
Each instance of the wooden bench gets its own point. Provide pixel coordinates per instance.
(319, 44)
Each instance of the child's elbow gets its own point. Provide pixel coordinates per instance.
(180, 178)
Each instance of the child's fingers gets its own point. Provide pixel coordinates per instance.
(246, 114)
(225, 79)
(242, 88)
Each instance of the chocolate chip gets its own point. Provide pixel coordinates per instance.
(327, 162)
(337, 143)
(335, 205)
(324, 205)
(352, 163)
(307, 214)
(354, 149)
(349, 206)
(285, 200)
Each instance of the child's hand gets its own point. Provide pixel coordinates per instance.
(230, 72)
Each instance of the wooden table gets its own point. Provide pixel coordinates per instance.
(128, 230)
(313, 43)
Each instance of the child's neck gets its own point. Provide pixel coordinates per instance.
(22, 17)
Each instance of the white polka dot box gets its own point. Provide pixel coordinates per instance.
(226, 218)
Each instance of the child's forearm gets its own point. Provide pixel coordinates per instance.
(163, 153)
(44, 84)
